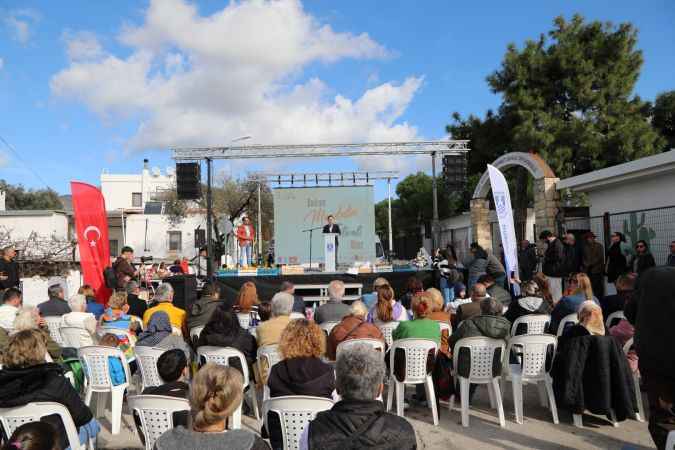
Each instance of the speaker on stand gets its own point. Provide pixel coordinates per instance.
(188, 181)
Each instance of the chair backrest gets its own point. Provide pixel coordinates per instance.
(76, 337)
(534, 352)
(445, 326)
(295, 412)
(387, 329)
(156, 414)
(54, 323)
(374, 343)
(222, 356)
(416, 358)
(614, 318)
(568, 319)
(147, 361)
(95, 364)
(296, 315)
(327, 327)
(244, 320)
(195, 332)
(268, 355)
(13, 418)
(534, 323)
(486, 356)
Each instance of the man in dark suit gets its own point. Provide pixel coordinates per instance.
(468, 310)
(332, 227)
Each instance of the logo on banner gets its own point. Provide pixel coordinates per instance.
(97, 234)
(330, 247)
(500, 202)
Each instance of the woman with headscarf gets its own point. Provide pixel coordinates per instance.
(223, 330)
(158, 335)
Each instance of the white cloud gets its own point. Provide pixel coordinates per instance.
(194, 80)
(19, 23)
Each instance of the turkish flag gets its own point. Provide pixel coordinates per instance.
(91, 223)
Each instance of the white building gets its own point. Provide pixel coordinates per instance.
(22, 225)
(136, 219)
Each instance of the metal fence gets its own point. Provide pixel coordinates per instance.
(656, 226)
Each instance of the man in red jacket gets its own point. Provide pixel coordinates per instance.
(245, 234)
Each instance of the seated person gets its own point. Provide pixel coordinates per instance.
(298, 301)
(215, 393)
(269, 331)
(472, 308)
(301, 372)
(93, 306)
(115, 367)
(158, 334)
(176, 268)
(359, 420)
(33, 436)
(591, 322)
(116, 315)
(495, 290)
(26, 377)
(437, 301)
(386, 308)
(78, 318)
(532, 302)
(421, 327)
(200, 311)
(164, 299)
(224, 330)
(625, 285)
(28, 318)
(334, 309)
(579, 286)
(370, 298)
(354, 326)
(488, 323)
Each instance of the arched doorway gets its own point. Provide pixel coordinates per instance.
(545, 195)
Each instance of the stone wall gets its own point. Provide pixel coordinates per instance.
(480, 210)
(545, 203)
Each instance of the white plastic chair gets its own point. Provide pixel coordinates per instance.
(76, 337)
(295, 412)
(13, 418)
(95, 364)
(244, 320)
(570, 318)
(387, 329)
(670, 441)
(195, 332)
(532, 351)
(54, 323)
(147, 361)
(374, 343)
(296, 315)
(639, 416)
(416, 354)
(222, 355)
(614, 318)
(156, 414)
(327, 327)
(534, 323)
(268, 355)
(483, 353)
(445, 326)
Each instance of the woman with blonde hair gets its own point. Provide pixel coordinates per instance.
(26, 377)
(581, 291)
(591, 321)
(215, 393)
(353, 326)
(301, 372)
(437, 302)
(247, 298)
(28, 318)
(387, 309)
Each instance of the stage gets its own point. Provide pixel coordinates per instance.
(269, 285)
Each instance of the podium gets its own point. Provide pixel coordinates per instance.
(330, 252)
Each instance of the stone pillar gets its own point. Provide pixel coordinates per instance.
(545, 204)
(480, 225)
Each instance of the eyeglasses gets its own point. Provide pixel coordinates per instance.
(640, 246)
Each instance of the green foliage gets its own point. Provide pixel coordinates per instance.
(18, 197)
(663, 117)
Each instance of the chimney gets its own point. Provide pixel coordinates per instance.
(2, 200)
(146, 164)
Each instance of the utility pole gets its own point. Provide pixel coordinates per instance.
(434, 223)
(209, 224)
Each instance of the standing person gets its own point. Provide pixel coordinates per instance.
(671, 257)
(651, 312)
(594, 264)
(9, 269)
(447, 274)
(245, 234)
(617, 257)
(643, 259)
(476, 263)
(554, 263)
(332, 227)
(496, 270)
(124, 269)
(527, 260)
(56, 305)
(572, 255)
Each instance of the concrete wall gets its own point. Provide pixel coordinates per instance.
(35, 288)
(643, 193)
(21, 226)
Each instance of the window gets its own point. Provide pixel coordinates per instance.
(136, 200)
(114, 247)
(175, 241)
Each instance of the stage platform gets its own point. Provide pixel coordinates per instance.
(313, 284)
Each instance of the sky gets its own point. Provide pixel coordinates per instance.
(87, 87)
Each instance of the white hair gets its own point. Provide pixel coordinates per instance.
(77, 302)
(164, 293)
(282, 304)
(358, 308)
(336, 290)
(26, 319)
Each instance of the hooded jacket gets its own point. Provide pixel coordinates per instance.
(42, 383)
(494, 327)
(524, 306)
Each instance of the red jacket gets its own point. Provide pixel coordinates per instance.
(241, 234)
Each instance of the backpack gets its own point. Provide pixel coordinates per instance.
(110, 278)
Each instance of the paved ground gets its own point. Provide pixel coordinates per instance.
(537, 432)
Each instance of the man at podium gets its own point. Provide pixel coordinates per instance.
(332, 227)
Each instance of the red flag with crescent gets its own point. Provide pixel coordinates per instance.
(91, 223)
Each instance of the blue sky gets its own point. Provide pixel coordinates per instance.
(91, 86)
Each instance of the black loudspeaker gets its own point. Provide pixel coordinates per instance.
(454, 171)
(200, 238)
(188, 181)
(184, 290)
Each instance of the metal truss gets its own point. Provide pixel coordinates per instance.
(322, 178)
(323, 150)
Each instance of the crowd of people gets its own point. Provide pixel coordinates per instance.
(33, 364)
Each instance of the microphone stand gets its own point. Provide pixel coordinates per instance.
(310, 231)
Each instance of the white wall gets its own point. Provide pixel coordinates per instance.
(21, 226)
(117, 189)
(157, 243)
(641, 193)
(35, 288)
